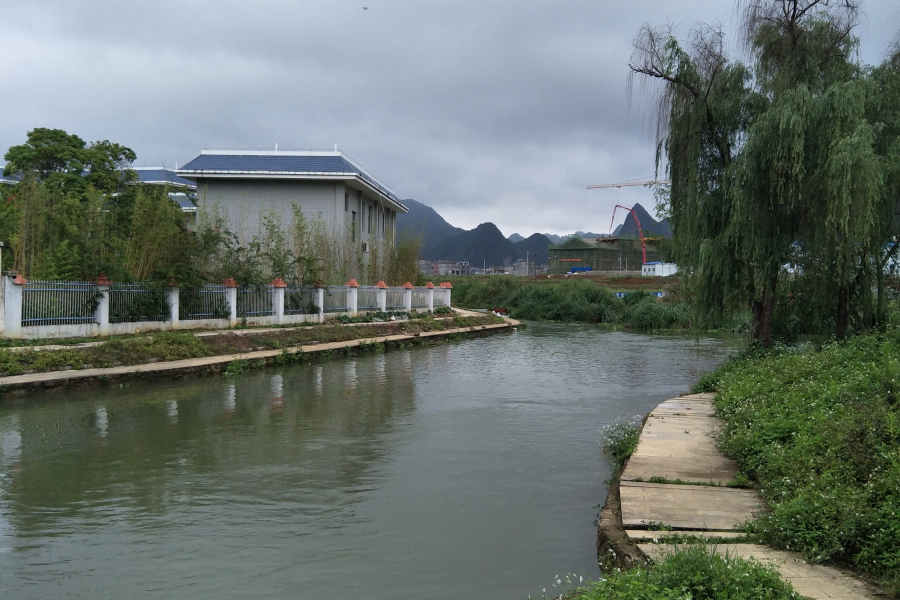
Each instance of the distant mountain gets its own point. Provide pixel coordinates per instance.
(516, 238)
(536, 244)
(424, 221)
(482, 246)
(649, 225)
(554, 239)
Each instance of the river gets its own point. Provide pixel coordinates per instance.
(464, 470)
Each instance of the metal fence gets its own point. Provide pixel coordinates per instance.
(440, 297)
(395, 299)
(300, 301)
(367, 299)
(209, 302)
(419, 299)
(335, 300)
(254, 302)
(59, 303)
(137, 303)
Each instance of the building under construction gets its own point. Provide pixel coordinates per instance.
(602, 254)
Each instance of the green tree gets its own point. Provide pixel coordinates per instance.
(65, 161)
(772, 164)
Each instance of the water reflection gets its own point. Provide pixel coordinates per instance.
(468, 468)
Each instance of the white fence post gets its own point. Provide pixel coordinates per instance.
(429, 296)
(446, 287)
(352, 297)
(278, 299)
(382, 296)
(231, 297)
(320, 300)
(407, 296)
(174, 299)
(12, 305)
(102, 312)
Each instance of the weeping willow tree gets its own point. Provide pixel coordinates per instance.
(775, 172)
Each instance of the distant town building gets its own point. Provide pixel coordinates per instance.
(448, 267)
(246, 186)
(659, 269)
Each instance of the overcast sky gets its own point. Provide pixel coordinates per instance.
(501, 111)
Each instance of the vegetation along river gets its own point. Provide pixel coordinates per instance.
(463, 470)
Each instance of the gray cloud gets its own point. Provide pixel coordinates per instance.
(502, 111)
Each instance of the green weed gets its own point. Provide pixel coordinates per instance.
(619, 440)
(818, 431)
(694, 573)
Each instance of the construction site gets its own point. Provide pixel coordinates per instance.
(603, 255)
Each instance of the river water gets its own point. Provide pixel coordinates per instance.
(464, 470)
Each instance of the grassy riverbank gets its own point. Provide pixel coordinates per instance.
(169, 346)
(818, 430)
(583, 300)
(692, 572)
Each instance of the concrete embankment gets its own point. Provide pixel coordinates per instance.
(20, 384)
(674, 490)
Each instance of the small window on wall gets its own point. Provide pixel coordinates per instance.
(346, 202)
(353, 227)
(369, 220)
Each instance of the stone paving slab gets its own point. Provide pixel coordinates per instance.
(686, 506)
(812, 581)
(680, 446)
(646, 535)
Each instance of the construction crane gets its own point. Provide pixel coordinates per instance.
(640, 231)
(626, 184)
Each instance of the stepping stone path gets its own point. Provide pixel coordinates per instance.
(677, 447)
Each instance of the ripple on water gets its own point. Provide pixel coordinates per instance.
(461, 469)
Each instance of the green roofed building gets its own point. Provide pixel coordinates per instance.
(601, 254)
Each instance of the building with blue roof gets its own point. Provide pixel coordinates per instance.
(163, 176)
(247, 186)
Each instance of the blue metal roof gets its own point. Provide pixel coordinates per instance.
(269, 164)
(161, 175)
(184, 202)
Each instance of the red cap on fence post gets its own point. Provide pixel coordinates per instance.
(429, 285)
(230, 283)
(381, 284)
(447, 285)
(408, 285)
(352, 283)
(278, 282)
(102, 279)
(19, 280)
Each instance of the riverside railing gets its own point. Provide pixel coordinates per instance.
(367, 299)
(129, 303)
(254, 302)
(301, 301)
(54, 309)
(208, 302)
(48, 303)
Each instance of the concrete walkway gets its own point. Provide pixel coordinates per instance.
(65, 378)
(677, 445)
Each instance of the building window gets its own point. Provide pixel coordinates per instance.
(369, 220)
(346, 202)
(353, 227)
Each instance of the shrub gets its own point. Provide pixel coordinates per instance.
(694, 573)
(818, 430)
